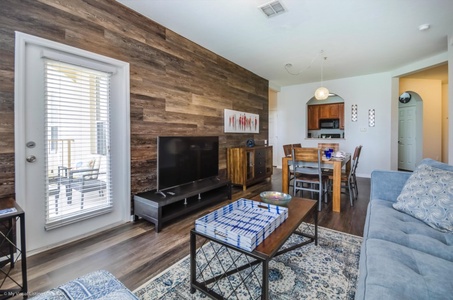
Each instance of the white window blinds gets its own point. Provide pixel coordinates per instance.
(77, 133)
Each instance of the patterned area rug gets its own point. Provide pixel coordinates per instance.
(326, 271)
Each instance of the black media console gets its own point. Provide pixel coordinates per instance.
(157, 208)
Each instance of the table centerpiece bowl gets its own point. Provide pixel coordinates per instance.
(275, 198)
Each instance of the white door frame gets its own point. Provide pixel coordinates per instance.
(120, 144)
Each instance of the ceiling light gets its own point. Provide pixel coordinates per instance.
(322, 93)
(272, 9)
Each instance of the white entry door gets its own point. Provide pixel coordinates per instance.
(62, 199)
(407, 138)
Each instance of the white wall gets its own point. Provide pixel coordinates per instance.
(371, 91)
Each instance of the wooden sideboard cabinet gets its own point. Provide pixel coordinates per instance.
(248, 165)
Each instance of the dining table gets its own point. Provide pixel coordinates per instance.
(335, 163)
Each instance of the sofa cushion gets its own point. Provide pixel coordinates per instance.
(428, 196)
(392, 271)
(386, 223)
(436, 164)
(96, 285)
(387, 185)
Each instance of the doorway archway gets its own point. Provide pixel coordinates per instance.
(328, 112)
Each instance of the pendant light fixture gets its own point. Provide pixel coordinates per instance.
(322, 93)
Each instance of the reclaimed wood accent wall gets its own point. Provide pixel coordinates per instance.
(177, 86)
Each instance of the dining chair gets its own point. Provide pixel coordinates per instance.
(334, 146)
(356, 162)
(324, 146)
(308, 176)
(287, 149)
(348, 180)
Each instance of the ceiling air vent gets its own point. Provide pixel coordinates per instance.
(272, 9)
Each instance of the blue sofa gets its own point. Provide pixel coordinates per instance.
(401, 256)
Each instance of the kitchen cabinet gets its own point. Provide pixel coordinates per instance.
(323, 112)
(313, 117)
(329, 111)
(248, 165)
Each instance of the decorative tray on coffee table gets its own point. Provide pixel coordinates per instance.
(243, 223)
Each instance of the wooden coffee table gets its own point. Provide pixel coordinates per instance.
(298, 210)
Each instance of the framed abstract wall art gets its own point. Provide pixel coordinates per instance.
(241, 122)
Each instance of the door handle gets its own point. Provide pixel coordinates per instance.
(31, 159)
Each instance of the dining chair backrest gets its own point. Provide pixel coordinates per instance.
(307, 172)
(287, 149)
(304, 160)
(356, 153)
(355, 160)
(360, 151)
(334, 146)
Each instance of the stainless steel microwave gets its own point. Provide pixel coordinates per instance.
(329, 124)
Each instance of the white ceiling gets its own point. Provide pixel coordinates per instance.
(358, 37)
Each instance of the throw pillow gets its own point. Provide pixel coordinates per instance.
(428, 196)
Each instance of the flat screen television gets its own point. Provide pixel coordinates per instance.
(185, 159)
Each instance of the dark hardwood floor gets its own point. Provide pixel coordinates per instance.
(135, 253)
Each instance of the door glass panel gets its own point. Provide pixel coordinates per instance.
(77, 142)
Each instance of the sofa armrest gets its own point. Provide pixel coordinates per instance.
(387, 185)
